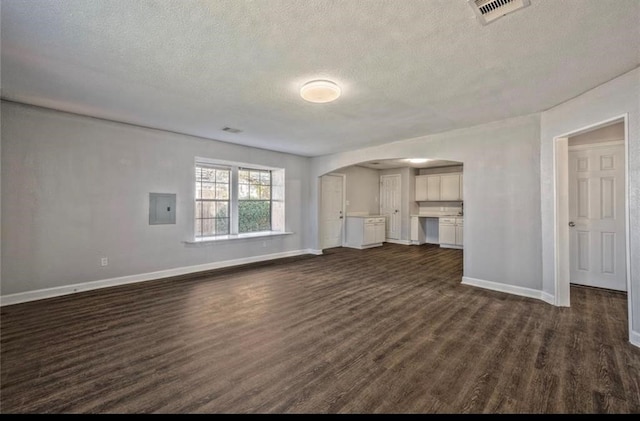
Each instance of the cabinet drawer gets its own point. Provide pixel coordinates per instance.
(449, 221)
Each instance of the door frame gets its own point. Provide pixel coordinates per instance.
(344, 212)
(561, 212)
(401, 208)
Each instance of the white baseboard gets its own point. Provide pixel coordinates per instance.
(548, 298)
(317, 252)
(403, 242)
(451, 246)
(510, 289)
(40, 294)
(634, 338)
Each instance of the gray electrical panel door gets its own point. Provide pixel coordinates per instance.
(162, 208)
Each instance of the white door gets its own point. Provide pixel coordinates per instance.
(390, 204)
(331, 211)
(596, 215)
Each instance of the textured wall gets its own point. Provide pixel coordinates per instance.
(75, 189)
(501, 193)
(362, 190)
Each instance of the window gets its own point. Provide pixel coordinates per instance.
(213, 192)
(232, 199)
(254, 200)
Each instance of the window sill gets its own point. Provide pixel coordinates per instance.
(235, 237)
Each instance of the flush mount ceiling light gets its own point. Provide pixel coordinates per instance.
(418, 160)
(320, 91)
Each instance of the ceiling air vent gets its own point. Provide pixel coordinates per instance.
(231, 130)
(489, 10)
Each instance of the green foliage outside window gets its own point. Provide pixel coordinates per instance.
(254, 215)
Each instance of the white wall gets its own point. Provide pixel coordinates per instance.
(362, 190)
(618, 97)
(75, 189)
(501, 192)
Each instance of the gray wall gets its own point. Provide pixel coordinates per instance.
(75, 189)
(362, 190)
(501, 192)
(611, 100)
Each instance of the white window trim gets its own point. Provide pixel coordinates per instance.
(233, 166)
(235, 237)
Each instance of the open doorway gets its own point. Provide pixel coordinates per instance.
(420, 200)
(592, 237)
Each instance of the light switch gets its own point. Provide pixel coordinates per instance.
(162, 208)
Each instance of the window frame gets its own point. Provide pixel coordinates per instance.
(201, 200)
(249, 199)
(277, 222)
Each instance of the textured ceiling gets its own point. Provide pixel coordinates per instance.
(407, 67)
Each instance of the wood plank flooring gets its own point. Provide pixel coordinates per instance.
(383, 330)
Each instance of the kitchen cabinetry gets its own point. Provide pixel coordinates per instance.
(451, 187)
(421, 188)
(451, 232)
(365, 231)
(438, 187)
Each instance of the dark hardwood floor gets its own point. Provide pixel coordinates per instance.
(384, 330)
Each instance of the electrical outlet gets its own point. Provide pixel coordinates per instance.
(104, 261)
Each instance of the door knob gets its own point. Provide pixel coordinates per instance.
(572, 224)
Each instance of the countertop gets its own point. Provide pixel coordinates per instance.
(365, 216)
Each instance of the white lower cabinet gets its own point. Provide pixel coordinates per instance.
(447, 233)
(450, 232)
(365, 232)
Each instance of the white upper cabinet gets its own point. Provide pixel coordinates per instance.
(421, 188)
(439, 187)
(450, 187)
(433, 188)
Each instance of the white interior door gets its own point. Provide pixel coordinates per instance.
(596, 215)
(332, 210)
(390, 204)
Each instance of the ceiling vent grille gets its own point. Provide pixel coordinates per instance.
(489, 10)
(231, 130)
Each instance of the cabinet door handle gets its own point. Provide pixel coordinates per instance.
(572, 224)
